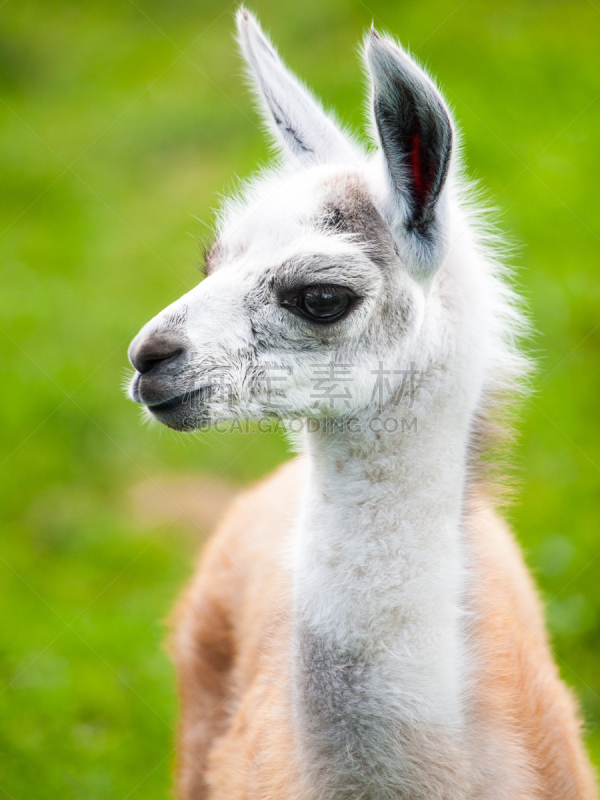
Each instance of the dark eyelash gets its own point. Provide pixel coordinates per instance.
(289, 292)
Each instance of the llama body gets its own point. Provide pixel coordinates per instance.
(362, 626)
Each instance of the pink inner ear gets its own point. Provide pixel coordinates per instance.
(419, 180)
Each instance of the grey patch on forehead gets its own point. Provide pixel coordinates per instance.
(348, 208)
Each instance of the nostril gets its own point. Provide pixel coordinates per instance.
(155, 350)
(149, 363)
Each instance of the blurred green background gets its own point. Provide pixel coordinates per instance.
(120, 123)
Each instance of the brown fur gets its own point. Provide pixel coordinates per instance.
(231, 649)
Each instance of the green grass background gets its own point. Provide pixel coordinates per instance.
(120, 123)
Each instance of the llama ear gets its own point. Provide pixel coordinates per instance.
(297, 119)
(415, 132)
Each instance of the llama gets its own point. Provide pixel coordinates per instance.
(362, 624)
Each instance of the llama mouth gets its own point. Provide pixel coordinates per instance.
(187, 400)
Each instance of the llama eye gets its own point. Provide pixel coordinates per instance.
(324, 303)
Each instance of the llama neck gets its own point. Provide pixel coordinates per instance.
(378, 585)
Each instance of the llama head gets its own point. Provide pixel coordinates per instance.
(322, 267)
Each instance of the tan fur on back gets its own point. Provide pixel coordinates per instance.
(231, 649)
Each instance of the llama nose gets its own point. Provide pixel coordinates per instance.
(154, 350)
